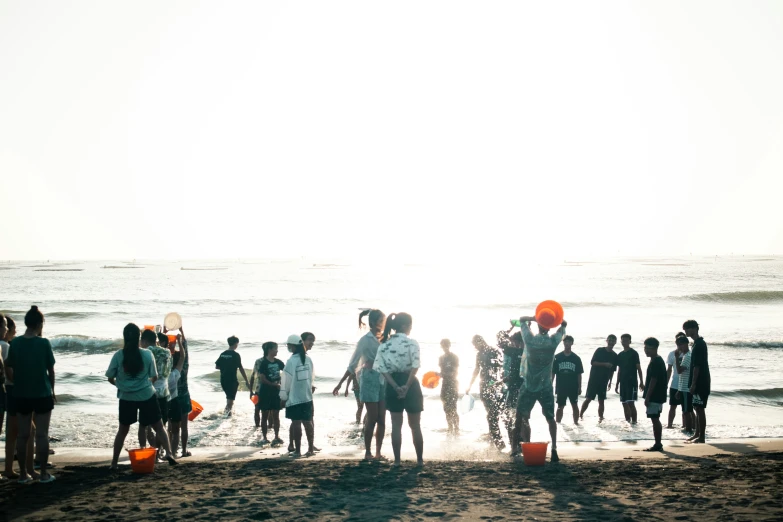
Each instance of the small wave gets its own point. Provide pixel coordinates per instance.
(67, 398)
(749, 344)
(753, 296)
(764, 393)
(85, 345)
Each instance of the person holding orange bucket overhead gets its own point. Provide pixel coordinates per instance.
(536, 370)
(183, 393)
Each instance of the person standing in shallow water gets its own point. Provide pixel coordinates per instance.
(628, 366)
(513, 347)
(30, 365)
(488, 367)
(398, 360)
(536, 372)
(602, 367)
(268, 370)
(449, 368)
(372, 386)
(228, 363)
(655, 391)
(700, 380)
(296, 396)
(568, 370)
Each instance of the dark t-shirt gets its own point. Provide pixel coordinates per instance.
(598, 374)
(699, 358)
(229, 362)
(626, 363)
(567, 369)
(31, 358)
(449, 364)
(656, 370)
(270, 370)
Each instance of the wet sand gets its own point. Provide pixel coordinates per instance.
(728, 480)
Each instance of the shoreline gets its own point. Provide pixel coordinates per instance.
(567, 451)
(727, 480)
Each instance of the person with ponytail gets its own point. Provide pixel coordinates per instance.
(296, 395)
(132, 370)
(30, 365)
(11, 423)
(372, 389)
(398, 361)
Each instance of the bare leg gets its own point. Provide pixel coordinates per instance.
(701, 416)
(25, 427)
(276, 422)
(309, 429)
(553, 435)
(257, 418)
(31, 453)
(380, 431)
(229, 406)
(184, 433)
(359, 408)
(414, 421)
(585, 404)
(559, 414)
(672, 414)
(369, 428)
(42, 441)
(264, 423)
(296, 435)
(600, 410)
(161, 434)
(11, 434)
(174, 435)
(632, 407)
(119, 440)
(575, 411)
(525, 432)
(142, 436)
(396, 436)
(657, 430)
(515, 448)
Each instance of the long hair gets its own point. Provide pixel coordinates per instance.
(398, 323)
(375, 321)
(300, 349)
(132, 362)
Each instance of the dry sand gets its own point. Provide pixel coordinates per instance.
(728, 480)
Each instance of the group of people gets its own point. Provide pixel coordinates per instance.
(524, 367)
(150, 374)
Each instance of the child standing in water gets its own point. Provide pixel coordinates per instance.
(228, 363)
(449, 367)
(267, 390)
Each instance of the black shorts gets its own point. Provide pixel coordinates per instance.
(596, 390)
(687, 402)
(269, 401)
(413, 402)
(512, 395)
(700, 399)
(230, 389)
(174, 410)
(39, 405)
(10, 400)
(629, 391)
(185, 403)
(2, 399)
(571, 397)
(163, 406)
(300, 412)
(146, 412)
(673, 400)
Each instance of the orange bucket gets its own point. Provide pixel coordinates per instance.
(149, 327)
(172, 339)
(254, 399)
(534, 453)
(197, 409)
(549, 314)
(430, 380)
(142, 460)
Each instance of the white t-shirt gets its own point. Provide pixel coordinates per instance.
(672, 361)
(296, 381)
(173, 378)
(4, 348)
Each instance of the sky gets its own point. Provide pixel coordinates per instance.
(423, 131)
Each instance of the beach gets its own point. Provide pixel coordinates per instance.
(723, 480)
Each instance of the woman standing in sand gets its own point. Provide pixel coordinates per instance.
(372, 389)
(132, 371)
(30, 365)
(11, 423)
(398, 361)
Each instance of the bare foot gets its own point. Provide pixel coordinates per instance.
(397, 464)
(35, 475)
(419, 463)
(10, 475)
(380, 458)
(368, 457)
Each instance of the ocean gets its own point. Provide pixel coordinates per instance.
(737, 300)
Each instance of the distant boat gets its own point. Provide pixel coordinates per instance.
(123, 266)
(204, 268)
(58, 270)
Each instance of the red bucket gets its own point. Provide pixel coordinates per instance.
(534, 453)
(196, 411)
(142, 460)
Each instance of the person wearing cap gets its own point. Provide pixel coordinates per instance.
(296, 395)
(292, 342)
(536, 372)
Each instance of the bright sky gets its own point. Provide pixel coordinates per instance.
(419, 130)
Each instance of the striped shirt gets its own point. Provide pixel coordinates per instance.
(685, 376)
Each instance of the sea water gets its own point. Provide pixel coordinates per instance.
(738, 301)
